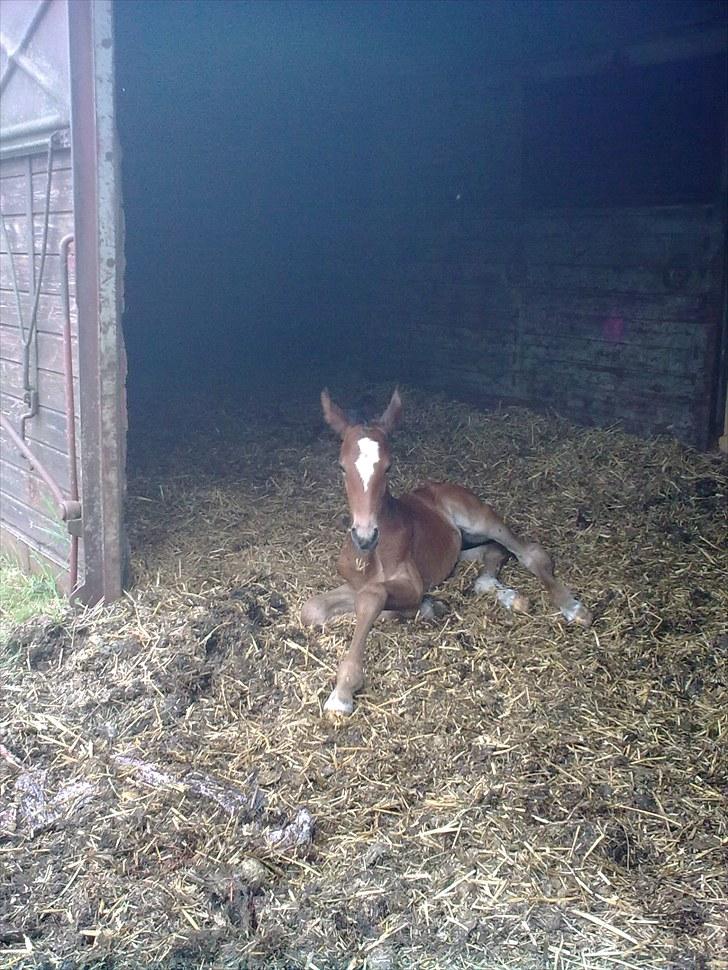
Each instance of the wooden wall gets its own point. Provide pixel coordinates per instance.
(608, 315)
(30, 519)
(620, 314)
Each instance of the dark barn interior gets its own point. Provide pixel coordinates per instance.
(508, 202)
(516, 211)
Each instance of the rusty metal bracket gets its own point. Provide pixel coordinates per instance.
(67, 508)
(75, 525)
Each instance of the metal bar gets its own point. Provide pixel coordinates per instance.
(70, 402)
(29, 235)
(26, 129)
(67, 509)
(68, 366)
(31, 390)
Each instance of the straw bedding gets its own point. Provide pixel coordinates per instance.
(510, 792)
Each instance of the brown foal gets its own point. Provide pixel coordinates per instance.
(397, 548)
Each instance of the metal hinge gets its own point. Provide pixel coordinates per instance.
(75, 525)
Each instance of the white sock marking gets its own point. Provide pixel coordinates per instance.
(336, 705)
(571, 610)
(367, 460)
(504, 594)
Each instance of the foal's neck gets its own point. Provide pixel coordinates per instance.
(390, 505)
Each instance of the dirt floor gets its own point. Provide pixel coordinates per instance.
(509, 793)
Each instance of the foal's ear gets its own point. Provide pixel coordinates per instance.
(391, 416)
(333, 415)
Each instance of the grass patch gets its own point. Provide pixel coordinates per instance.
(23, 597)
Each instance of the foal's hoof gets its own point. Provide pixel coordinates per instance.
(520, 604)
(337, 706)
(431, 609)
(577, 613)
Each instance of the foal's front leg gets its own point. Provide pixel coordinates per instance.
(368, 604)
(322, 608)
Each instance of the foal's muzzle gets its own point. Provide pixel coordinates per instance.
(365, 543)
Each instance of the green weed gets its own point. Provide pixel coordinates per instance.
(23, 597)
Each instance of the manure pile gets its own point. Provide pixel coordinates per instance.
(510, 792)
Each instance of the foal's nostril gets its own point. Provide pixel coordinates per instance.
(365, 544)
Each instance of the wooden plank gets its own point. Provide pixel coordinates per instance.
(688, 340)
(637, 221)
(571, 309)
(60, 224)
(61, 190)
(48, 535)
(11, 167)
(592, 357)
(48, 427)
(50, 312)
(641, 414)
(33, 559)
(639, 349)
(613, 330)
(611, 279)
(50, 385)
(50, 349)
(679, 308)
(620, 247)
(51, 274)
(13, 193)
(27, 487)
(55, 462)
(563, 381)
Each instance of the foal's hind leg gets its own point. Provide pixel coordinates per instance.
(478, 520)
(429, 609)
(493, 556)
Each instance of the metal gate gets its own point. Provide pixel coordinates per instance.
(62, 365)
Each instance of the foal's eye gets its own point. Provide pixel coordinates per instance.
(388, 469)
(342, 469)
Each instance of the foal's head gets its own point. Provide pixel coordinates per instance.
(365, 459)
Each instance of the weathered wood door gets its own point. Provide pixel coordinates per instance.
(62, 365)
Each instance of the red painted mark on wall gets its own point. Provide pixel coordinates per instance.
(613, 328)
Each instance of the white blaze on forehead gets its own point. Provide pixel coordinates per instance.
(367, 460)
